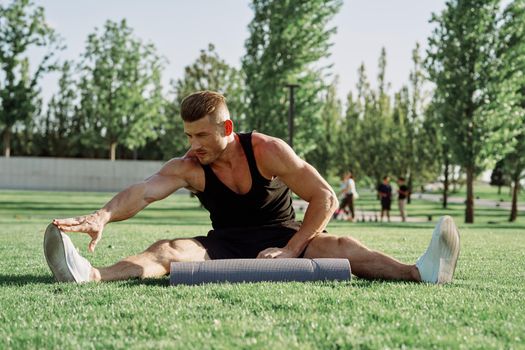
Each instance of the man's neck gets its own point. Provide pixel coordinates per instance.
(230, 155)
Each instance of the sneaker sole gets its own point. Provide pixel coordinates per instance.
(448, 261)
(56, 255)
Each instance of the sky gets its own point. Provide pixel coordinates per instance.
(180, 29)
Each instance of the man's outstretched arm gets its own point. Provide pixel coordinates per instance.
(278, 159)
(130, 201)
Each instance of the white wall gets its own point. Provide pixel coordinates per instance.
(38, 173)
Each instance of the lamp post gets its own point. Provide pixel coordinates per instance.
(291, 112)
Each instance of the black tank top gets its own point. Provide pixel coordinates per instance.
(268, 203)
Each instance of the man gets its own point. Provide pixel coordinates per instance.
(244, 181)
(348, 193)
(384, 191)
(402, 195)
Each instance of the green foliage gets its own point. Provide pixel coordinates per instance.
(381, 138)
(423, 151)
(58, 135)
(22, 27)
(331, 145)
(460, 61)
(120, 88)
(509, 86)
(288, 40)
(208, 72)
(369, 127)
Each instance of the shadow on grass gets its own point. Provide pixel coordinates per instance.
(364, 225)
(22, 280)
(160, 282)
(504, 224)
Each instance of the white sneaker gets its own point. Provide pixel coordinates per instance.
(63, 259)
(438, 263)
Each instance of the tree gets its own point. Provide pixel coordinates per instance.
(423, 163)
(376, 129)
(208, 72)
(57, 137)
(509, 78)
(22, 27)
(288, 41)
(403, 135)
(347, 143)
(121, 92)
(326, 157)
(434, 134)
(460, 59)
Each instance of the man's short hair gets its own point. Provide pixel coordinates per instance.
(201, 103)
(385, 177)
(401, 178)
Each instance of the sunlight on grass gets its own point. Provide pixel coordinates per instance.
(483, 308)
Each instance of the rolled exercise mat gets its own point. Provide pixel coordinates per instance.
(259, 270)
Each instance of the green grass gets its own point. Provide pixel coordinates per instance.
(483, 308)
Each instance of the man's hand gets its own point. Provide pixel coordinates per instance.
(276, 253)
(92, 224)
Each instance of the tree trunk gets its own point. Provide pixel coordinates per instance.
(409, 197)
(499, 189)
(445, 185)
(515, 191)
(469, 210)
(7, 142)
(112, 150)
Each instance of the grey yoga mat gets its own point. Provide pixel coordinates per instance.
(258, 270)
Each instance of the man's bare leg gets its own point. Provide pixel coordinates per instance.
(67, 265)
(153, 262)
(366, 263)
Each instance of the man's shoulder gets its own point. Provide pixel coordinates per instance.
(272, 155)
(180, 166)
(266, 145)
(261, 140)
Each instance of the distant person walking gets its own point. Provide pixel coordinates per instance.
(384, 191)
(402, 195)
(348, 195)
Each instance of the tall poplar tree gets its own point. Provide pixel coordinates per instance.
(460, 58)
(22, 27)
(58, 138)
(289, 42)
(327, 155)
(510, 91)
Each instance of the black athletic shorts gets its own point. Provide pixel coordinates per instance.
(247, 243)
(386, 203)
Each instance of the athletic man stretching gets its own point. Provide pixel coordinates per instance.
(244, 181)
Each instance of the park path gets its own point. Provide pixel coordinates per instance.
(369, 216)
(365, 215)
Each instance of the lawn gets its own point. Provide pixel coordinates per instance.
(483, 308)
